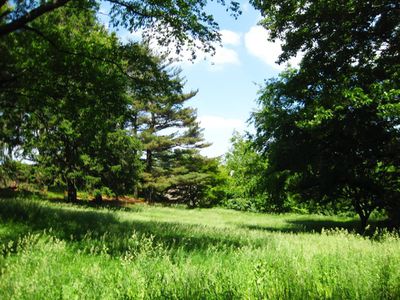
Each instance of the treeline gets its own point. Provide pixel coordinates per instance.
(327, 134)
(91, 113)
(96, 114)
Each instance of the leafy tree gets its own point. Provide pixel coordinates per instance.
(343, 157)
(337, 38)
(114, 165)
(245, 168)
(179, 23)
(174, 21)
(331, 128)
(74, 114)
(68, 105)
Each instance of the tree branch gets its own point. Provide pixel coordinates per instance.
(30, 16)
(130, 8)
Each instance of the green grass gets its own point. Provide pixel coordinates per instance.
(60, 251)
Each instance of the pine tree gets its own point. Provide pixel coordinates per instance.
(167, 129)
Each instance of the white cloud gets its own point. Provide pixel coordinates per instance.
(245, 6)
(127, 36)
(222, 56)
(257, 44)
(220, 145)
(217, 122)
(136, 34)
(225, 56)
(218, 130)
(229, 37)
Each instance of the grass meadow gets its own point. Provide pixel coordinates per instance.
(53, 250)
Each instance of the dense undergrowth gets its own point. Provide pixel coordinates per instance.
(63, 251)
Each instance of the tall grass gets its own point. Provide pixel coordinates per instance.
(60, 251)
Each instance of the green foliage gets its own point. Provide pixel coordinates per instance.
(330, 129)
(341, 157)
(171, 137)
(70, 106)
(245, 168)
(114, 168)
(337, 38)
(171, 22)
(66, 102)
(63, 251)
(75, 101)
(196, 180)
(16, 174)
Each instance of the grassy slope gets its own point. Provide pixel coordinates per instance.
(53, 251)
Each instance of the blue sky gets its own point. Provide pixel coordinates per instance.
(228, 82)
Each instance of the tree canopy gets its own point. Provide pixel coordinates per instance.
(84, 107)
(186, 23)
(245, 170)
(94, 113)
(169, 132)
(330, 128)
(62, 106)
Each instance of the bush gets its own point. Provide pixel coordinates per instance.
(256, 204)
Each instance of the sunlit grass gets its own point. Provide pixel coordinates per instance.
(55, 250)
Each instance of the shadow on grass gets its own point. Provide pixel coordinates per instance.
(73, 223)
(115, 205)
(9, 193)
(310, 225)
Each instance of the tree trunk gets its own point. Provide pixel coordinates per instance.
(71, 190)
(149, 160)
(394, 215)
(364, 221)
(149, 167)
(98, 198)
(149, 194)
(363, 213)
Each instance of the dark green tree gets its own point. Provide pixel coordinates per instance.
(193, 179)
(331, 129)
(165, 126)
(67, 105)
(113, 165)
